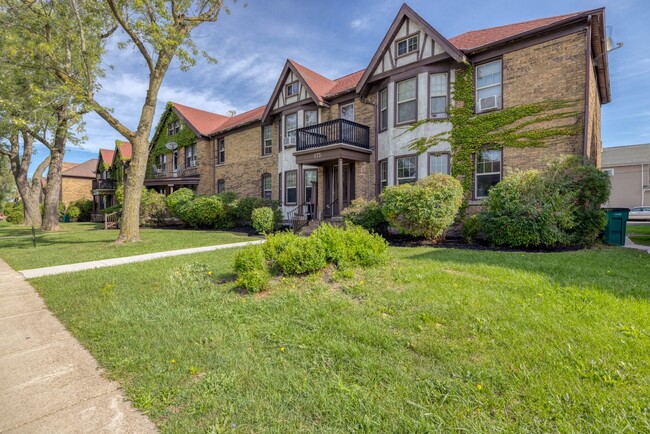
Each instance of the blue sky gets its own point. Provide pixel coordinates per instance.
(337, 37)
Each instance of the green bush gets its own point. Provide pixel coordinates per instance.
(586, 188)
(252, 269)
(177, 199)
(367, 214)
(85, 209)
(119, 193)
(351, 246)
(111, 209)
(16, 215)
(426, 208)
(471, 228)
(8, 207)
(73, 213)
(303, 255)
(524, 210)
(263, 220)
(274, 246)
(152, 206)
(202, 212)
(246, 205)
(254, 280)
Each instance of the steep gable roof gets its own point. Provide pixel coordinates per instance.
(122, 149)
(344, 84)
(106, 155)
(82, 170)
(240, 120)
(201, 121)
(478, 38)
(317, 83)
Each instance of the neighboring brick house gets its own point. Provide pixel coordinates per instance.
(629, 171)
(109, 173)
(76, 181)
(319, 143)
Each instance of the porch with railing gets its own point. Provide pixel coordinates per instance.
(337, 131)
(103, 184)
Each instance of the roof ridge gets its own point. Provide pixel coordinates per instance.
(197, 109)
(521, 22)
(347, 75)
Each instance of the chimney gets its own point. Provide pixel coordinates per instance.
(232, 113)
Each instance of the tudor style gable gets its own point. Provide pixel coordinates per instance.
(409, 40)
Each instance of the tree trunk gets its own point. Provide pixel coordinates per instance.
(53, 192)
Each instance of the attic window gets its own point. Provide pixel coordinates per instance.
(292, 89)
(407, 45)
(173, 128)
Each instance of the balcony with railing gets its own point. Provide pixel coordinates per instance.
(338, 138)
(103, 184)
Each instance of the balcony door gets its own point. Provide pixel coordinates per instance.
(175, 163)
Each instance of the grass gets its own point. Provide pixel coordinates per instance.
(437, 340)
(639, 233)
(81, 242)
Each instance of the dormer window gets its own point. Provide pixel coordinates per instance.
(173, 128)
(292, 89)
(407, 45)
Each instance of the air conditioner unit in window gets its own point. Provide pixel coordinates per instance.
(488, 103)
(289, 141)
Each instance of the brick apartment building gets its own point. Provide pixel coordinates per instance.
(319, 142)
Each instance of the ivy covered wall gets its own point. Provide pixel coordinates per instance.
(184, 137)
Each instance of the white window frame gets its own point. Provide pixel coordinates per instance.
(306, 123)
(411, 45)
(383, 109)
(290, 89)
(266, 193)
(221, 151)
(414, 178)
(173, 128)
(444, 94)
(477, 175)
(190, 155)
(490, 86)
(383, 175)
(434, 157)
(287, 187)
(401, 103)
(267, 146)
(292, 132)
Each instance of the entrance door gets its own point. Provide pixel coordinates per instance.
(175, 163)
(332, 188)
(311, 190)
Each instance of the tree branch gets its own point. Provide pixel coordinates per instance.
(134, 37)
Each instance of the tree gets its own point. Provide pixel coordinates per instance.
(7, 183)
(160, 30)
(39, 38)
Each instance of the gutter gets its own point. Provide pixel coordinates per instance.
(587, 83)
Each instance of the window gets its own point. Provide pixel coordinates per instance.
(438, 86)
(267, 147)
(347, 111)
(190, 156)
(609, 172)
(290, 195)
(292, 89)
(488, 86)
(267, 184)
(162, 161)
(408, 45)
(221, 186)
(383, 175)
(407, 107)
(173, 128)
(221, 151)
(311, 118)
(407, 170)
(488, 171)
(439, 163)
(291, 124)
(383, 109)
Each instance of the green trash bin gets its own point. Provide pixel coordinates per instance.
(616, 223)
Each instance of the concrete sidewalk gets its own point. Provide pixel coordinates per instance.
(49, 383)
(632, 245)
(69, 268)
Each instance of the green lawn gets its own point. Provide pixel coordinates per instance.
(438, 340)
(639, 233)
(80, 242)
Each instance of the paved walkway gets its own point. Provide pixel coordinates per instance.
(49, 383)
(59, 269)
(632, 245)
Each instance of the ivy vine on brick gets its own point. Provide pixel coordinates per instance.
(184, 137)
(516, 127)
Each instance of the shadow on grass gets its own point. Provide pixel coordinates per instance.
(618, 271)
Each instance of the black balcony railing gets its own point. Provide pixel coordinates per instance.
(170, 173)
(333, 132)
(103, 184)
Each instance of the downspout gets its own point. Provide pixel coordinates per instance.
(587, 83)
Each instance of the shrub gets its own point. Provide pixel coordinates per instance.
(16, 215)
(119, 193)
(8, 207)
(523, 210)
(426, 208)
(227, 197)
(202, 212)
(351, 246)
(73, 213)
(274, 246)
(85, 209)
(254, 280)
(366, 214)
(177, 199)
(246, 205)
(152, 206)
(471, 228)
(586, 188)
(263, 220)
(111, 209)
(303, 255)
(251, 268)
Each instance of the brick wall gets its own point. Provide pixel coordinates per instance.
(244, 164)
(594, 142)
(550, 70)
(75, 188)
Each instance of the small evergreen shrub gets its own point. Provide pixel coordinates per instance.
(426, 208)
(524, 210)
(16, 214)
(365, 213)
(202, 212)
(303, 255)
(177, 199)
(73, 213)
(246, 205)
(263, 221)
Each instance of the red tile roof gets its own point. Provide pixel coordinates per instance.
(125, 148)
(81, 170)
(201, 120)
(317, 83)
(345, 84)
(107, 155)
(477, 38)
(240, 120)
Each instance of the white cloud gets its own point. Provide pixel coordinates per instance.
(360, 24)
